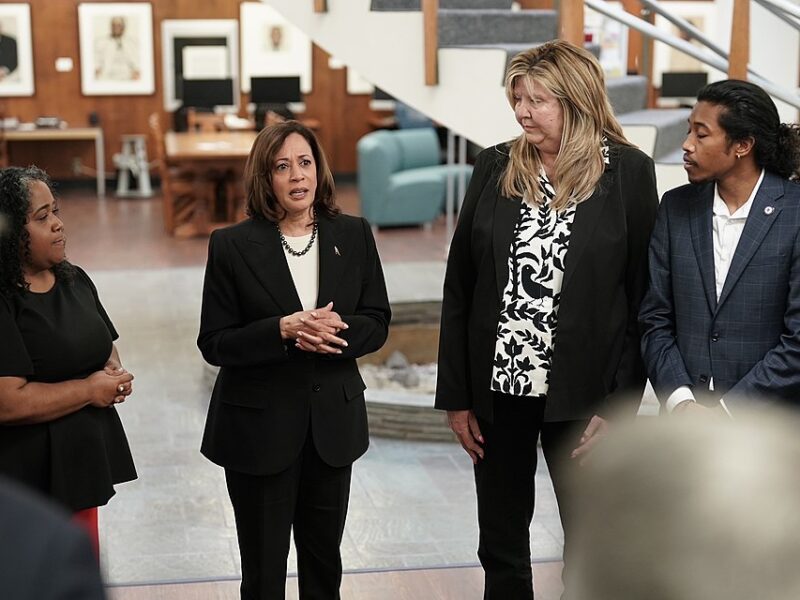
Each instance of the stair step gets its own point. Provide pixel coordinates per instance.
(410, 5)
(670, 124)
(460, 28)
(627, 93)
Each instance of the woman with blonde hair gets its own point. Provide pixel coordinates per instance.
(546, 271)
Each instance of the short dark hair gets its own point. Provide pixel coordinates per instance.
(749, 112)
(261, 200)
(15, 243)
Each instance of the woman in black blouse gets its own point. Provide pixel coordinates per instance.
(60, 374)
(546, 271)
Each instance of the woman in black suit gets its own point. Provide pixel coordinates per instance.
(292, 297)
(546, 271)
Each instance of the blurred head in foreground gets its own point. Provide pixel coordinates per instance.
(690, 509)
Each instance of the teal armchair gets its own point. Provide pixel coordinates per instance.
(400, 178)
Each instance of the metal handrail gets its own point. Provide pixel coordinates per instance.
(790, 97)
(778, 10)
(692, 31)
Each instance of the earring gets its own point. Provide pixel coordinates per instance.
(738, 156)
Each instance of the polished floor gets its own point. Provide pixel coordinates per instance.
(412, 504)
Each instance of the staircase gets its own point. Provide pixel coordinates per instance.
(383, 41)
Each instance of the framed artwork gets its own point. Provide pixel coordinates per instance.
(612, 37)
(116, 43)
(272, 47)
(198, 49)
(16, 53)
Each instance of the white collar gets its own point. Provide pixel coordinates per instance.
(721, 209)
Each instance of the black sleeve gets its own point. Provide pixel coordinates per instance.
(369, 325)
(225, 338)
(452, 385)
(83, 277)
(640, 198)
(14, 358)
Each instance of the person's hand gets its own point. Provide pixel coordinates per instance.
(320, 331)
(592, 435)
(315, 330)
(691, 408)
(107, 389)
(465, 426)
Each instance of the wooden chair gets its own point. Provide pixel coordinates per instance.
(204, 121)
(178, 186)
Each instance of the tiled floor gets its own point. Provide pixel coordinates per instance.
(412, 504)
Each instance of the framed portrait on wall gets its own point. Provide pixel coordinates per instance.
(272, 47)
(16, 53)
(116, 45)
(198, 49)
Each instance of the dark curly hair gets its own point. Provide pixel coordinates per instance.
(15, 203)
(749, 112)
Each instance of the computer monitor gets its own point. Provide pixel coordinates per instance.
(682, 84)
(207, 93)
(275, 90)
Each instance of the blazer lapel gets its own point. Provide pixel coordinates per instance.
(700, 223)
(763, 214)
(506, 215)
(266, 258)
(333, 256)
(587, 215)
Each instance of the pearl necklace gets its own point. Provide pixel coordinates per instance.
(292, 251)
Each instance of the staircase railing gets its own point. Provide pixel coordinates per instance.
(738, 71)
(784, 10)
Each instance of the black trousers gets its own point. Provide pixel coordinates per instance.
(310, 497)
(505, 486)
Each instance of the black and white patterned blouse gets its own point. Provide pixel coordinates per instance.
(528, 317)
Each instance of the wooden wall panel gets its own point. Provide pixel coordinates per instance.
(343, 118)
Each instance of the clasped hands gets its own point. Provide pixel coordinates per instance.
(315, 330)
(110, 386)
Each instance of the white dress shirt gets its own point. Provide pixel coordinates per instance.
(304, 270)
(727, 230)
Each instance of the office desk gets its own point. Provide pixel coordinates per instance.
(208, 147)
(70, 134)
(217, 159)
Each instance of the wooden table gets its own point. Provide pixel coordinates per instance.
(217, 159)
(68, 134)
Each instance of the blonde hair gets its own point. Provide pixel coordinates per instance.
(576, 79)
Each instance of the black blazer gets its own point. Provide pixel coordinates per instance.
(268, 394)
(596, 361)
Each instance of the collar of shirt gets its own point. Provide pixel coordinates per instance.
(721, 209)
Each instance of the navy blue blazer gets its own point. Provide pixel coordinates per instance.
(749, 340)
(597, 367)
(268, 394)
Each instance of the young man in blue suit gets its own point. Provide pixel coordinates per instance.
(721, 318)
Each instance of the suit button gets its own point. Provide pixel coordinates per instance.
(703, 378)
(316, 387)
(715, 337)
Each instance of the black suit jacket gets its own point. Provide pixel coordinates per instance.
(596, 362)
(268, 393)
(42, 555)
